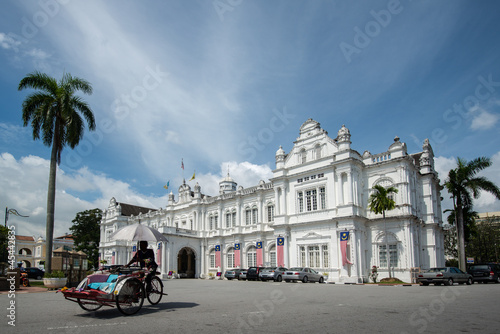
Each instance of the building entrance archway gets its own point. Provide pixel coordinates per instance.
(186, 263)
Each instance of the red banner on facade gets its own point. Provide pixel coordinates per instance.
(237, 262)
(280, 258)
(217, 256)
(344, 238)
(260, 261)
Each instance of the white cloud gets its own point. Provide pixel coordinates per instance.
(7, 42)
(37, 54)
(442, 165)
(484, 120)
(26, 181)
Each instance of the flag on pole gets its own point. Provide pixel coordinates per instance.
(182, 164)
(166, 186)
(237, 262)
(192, 178)
(217, 256)
(259, 254)
(279, 252)
(158, 255)
(344, 238)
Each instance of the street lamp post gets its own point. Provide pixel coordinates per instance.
(12, 212)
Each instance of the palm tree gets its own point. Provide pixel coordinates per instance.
(463, 184)
(54, 112)
(380, 201)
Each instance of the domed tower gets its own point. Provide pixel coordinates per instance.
(344, 139)
(227, 185)
(280, 158)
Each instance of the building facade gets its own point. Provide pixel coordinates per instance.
(319, 191)
(30, 252)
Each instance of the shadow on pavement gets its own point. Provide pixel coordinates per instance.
(107, 312)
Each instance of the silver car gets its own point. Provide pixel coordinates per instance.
(303, 274)
(242, 275)
(271, 273)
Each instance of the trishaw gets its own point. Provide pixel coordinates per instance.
(124, 287)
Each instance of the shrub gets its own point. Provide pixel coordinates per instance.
(55, 274)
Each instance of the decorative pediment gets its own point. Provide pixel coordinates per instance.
(313, 235)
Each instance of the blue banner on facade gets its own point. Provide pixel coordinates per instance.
(259, 244)
(134, 248)
(217, 248)
(236, 246)
(159, 245)
(344, 236)
(281, 241)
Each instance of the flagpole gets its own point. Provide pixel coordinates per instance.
(6, 215)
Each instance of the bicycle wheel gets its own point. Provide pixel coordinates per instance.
(130, 298)
(154, 296)
(89, 305)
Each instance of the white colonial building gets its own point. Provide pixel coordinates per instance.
(319, 189)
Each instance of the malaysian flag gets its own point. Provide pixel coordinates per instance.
(237, 262)
(217, 256)
(344, 238)
(259, 254)
(158, 255)
(279, 252)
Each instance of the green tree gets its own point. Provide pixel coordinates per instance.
(450, 235)
(54, 112)
(4, 241)
(463, 185)
(484, 245)
(86, 234)
(381, 201)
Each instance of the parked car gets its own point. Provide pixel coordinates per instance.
(34, 273)
(444, 275)
(253, 273)
(485, 273)
(232, 273)
(242, 275)
(303, 274)
(272, 273)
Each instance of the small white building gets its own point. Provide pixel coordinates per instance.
(320, 189)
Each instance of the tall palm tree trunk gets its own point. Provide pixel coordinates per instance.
(387, 255)
(51, 200)
(460, 232)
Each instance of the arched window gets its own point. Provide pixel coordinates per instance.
(270, 212)
(211, 257)
(303, 156)
(251, 256)
(230, 258)
(229, 219)
(317, 151)
(272, 256)
(382, 244)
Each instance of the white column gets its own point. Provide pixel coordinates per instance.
(349, 187)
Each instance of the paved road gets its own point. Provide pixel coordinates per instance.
(213, 306)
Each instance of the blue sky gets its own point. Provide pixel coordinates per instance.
(222, 84)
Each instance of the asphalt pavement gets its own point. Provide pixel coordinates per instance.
(219, 306)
